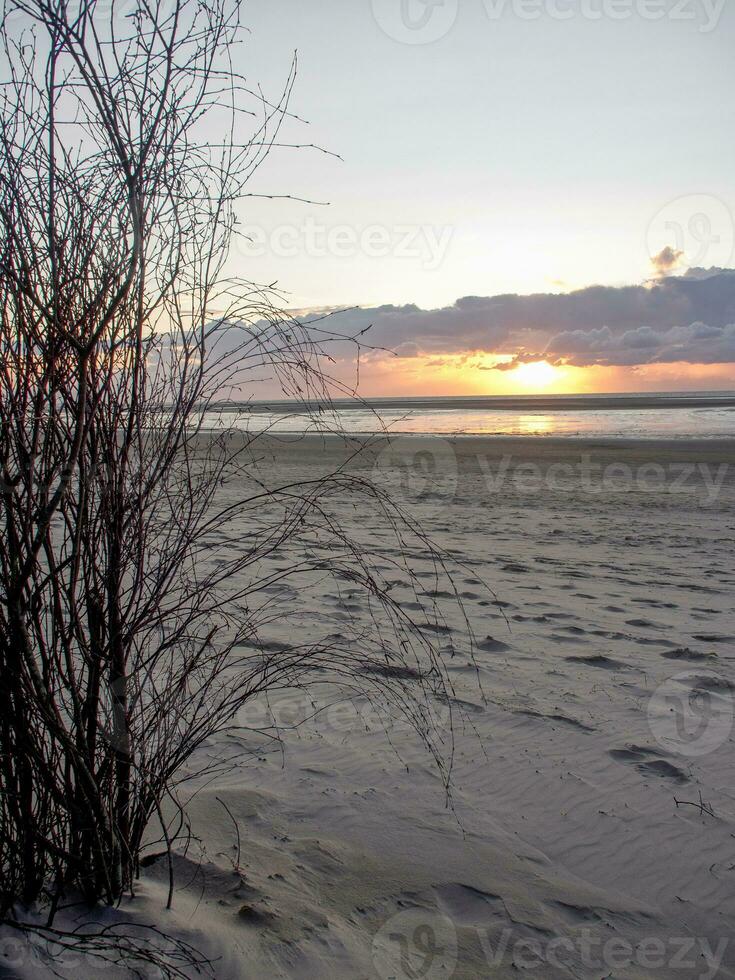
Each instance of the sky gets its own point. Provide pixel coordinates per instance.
(504, 148)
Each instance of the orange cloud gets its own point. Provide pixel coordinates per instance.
(666, 261)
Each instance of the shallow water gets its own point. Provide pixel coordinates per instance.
(703, 415)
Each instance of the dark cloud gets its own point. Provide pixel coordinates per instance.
(409, 349)
(677, 318)
(524, 357)
(698, 273)
(698, 343)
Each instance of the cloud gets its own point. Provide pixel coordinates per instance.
(524, 357)
(666, 260)
(698, 273)
(687, 318)
(409, 349)
(698, 343)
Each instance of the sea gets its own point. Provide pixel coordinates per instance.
(661, 415)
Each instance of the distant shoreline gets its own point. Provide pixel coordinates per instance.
(558, 403)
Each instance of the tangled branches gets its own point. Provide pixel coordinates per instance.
(121, 654)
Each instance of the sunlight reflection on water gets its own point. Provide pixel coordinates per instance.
(648, 423)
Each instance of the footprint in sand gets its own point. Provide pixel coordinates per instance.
(600, 661)
(644, 624)
(491, 645)
(646, 762)
(712, 682)
(684, 653)
(660, 767)
(655, 603)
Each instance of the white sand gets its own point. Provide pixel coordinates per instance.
(566, 831)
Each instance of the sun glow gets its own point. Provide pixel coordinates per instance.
(474, 374)
(535, 374)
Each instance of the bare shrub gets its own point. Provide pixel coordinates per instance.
(122, 651)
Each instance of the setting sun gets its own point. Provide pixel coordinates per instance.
(535, 374)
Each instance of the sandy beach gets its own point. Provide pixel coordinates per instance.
(598, 580)
(367, 490)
